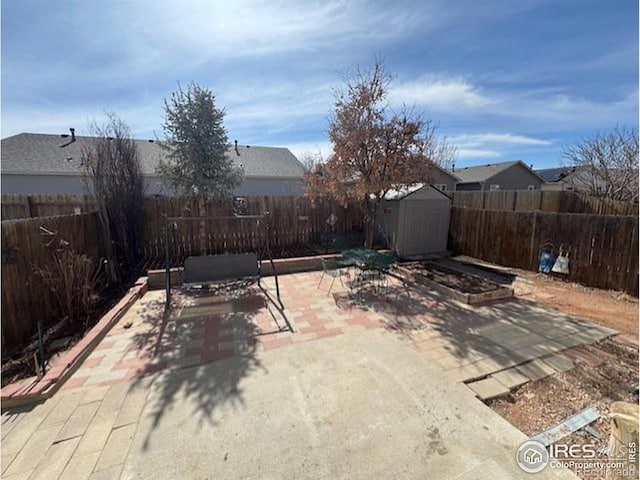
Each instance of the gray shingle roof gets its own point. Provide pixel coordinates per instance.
(481, 173)
(554, 174)
(36, 153)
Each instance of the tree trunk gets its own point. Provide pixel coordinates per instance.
(112, 270)
(202, 230)
(370, 224)
(369, 231)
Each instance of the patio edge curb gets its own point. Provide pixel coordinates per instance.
(54, 379)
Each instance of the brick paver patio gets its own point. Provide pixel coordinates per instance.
(467, 342)
(86, 428)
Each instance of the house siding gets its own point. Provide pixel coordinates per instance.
(516, 177)
(553, 186)
(42, 184)
(468, 187)
(439, 177)
(74, 185)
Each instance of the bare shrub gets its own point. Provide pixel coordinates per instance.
(73, 280)
(112, 164)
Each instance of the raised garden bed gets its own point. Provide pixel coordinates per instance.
(461, 285)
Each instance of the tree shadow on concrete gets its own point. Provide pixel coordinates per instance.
(202, 349)
(505, 332)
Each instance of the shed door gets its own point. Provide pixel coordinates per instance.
(425, 226)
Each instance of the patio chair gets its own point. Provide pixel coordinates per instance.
(332, 270)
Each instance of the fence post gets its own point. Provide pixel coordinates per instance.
(27, 206)
(167, 266)
(532, 246)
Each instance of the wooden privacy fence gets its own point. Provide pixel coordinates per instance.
(25, 298)
(546, 201)
(292, 221)
(603, 249)
(28, 206)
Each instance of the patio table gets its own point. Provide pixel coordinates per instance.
(366, 259)
(373, 265)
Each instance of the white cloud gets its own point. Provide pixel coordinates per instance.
(275, 104)
(544, 109)
(439, 93)
(323, 147)
(497, 138)
(206, 30)
(464, 153)
(491, 145)
(143, 120)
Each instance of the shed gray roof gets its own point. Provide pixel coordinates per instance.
(404, 192)
(481, 173)
(42, 154)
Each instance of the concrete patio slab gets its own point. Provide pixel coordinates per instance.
(352, 406)
(488, 388)
(510, 378)
(536, 370)
(559, 363)
(360, 373)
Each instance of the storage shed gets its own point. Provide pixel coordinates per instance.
(415, 221)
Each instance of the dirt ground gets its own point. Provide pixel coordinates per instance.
(540, 405)
(452, 278)
(609, 308)
(19, 362)
(605, 307)
(537, 406)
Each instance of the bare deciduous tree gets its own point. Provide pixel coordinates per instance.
(114, 176)
(312, 161)
(374, 148)
(606, 164)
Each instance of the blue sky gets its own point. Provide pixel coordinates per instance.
(504, 79)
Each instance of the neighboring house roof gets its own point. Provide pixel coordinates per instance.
(554, 174)
(43, 154)
(482, 173)
(450, 174)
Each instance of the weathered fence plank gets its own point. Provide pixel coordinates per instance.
(25, 299)
(603, 249)
(544, 200)
(16, 206)
(291, 222)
